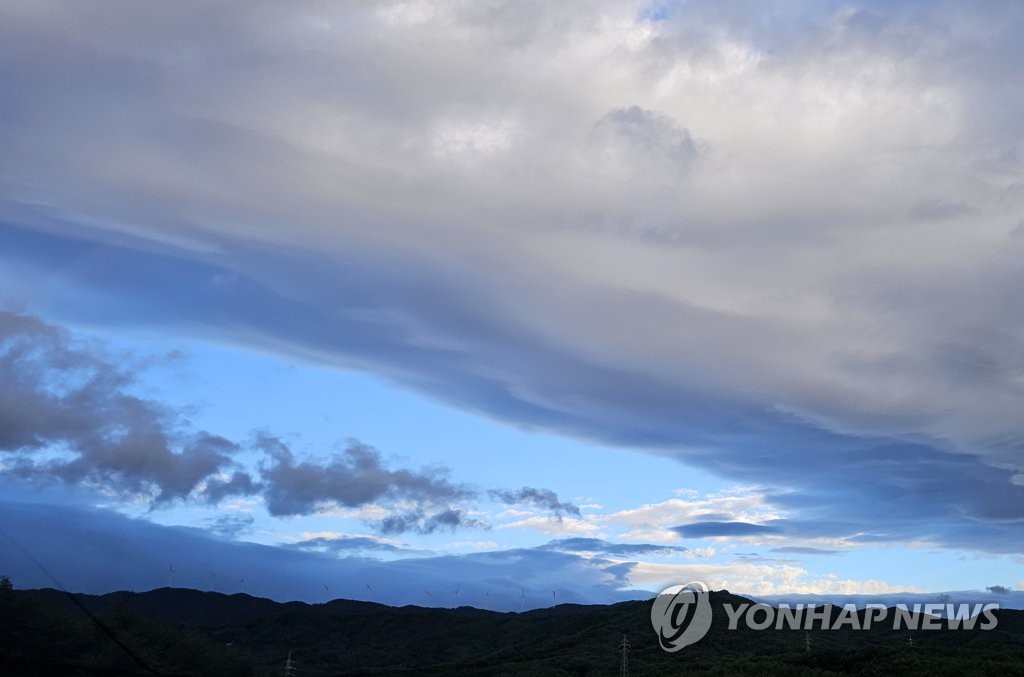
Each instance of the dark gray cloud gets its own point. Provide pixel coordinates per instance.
(425, 522)
(998, 589)
(59, 393)
(239, 484)
(354, 477)
(141, 459)
(546, 499)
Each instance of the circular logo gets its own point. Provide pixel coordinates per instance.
(681, 615)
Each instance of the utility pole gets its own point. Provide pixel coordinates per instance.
(624, 663)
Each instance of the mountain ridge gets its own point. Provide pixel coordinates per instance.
(187, 631)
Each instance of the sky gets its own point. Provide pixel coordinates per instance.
(513, 303)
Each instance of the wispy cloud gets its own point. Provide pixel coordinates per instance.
(599, 546)
(804, 550)
(342, 544)
(231, 526)
(545, 499)
(714, 529)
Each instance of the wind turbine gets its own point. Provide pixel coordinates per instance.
(370, 589)
(213, 580)
(429, 596)
(170, 577)
(554, 599)
(457, 594)
(245, 584)
(522, 599)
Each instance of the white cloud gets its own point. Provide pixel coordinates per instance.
(555, 526)
(756, 579)
(652, 521)
(513, 513)
(473, 138)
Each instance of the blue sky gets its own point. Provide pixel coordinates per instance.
(424, 296)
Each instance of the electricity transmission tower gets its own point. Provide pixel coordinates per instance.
(807, 642)
(289, 667)
(624, 663)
